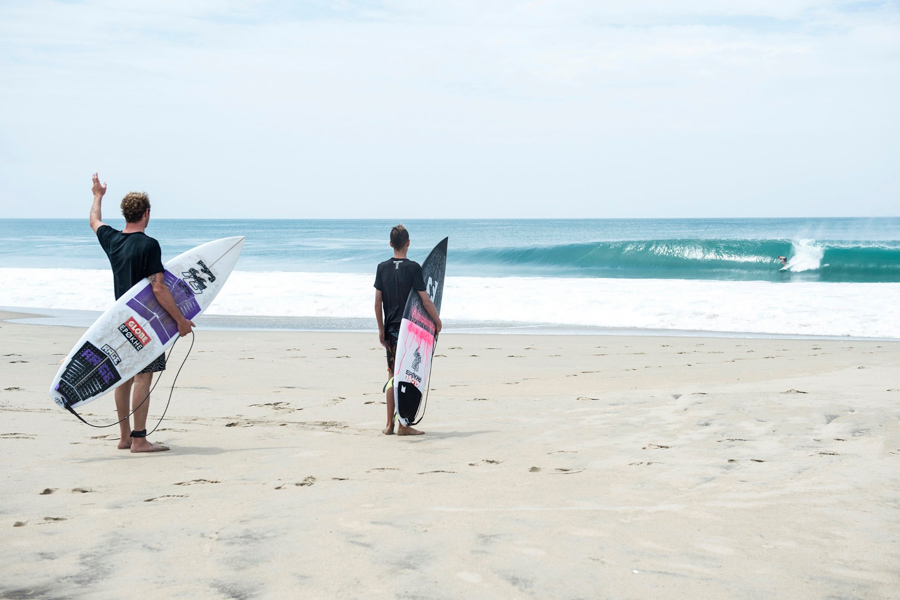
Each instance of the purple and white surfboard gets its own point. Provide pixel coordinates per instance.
(136, 329)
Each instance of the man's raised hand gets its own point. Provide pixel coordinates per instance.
(98, 188)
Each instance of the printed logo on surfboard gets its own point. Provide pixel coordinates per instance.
(135, 335)
(194, 277)
(111, 353)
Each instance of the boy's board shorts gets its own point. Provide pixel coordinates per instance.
(158, 364)
(390, 341)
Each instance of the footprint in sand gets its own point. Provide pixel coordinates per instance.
(20, 523)
(81, 491)
(195, 481)
(47, 491)
(54, 519)
(655, 447)
(165, 496)
(17, 436)
(12, 389)
(534, 469)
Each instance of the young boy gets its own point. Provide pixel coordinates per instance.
(394, 279)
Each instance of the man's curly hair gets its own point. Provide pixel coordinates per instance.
(134, 205)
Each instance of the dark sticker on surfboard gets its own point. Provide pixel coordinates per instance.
(146, 305)
(111, 353)
(195, 277)
(88, 373)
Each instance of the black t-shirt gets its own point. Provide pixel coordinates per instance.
(395, 278)
(132, 256)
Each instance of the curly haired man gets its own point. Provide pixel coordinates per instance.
(133, 256)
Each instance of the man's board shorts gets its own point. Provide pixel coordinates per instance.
(159, 364)
(390, 343)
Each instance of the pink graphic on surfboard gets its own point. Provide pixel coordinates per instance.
(416, 342)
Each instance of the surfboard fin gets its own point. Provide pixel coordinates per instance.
(389, 384)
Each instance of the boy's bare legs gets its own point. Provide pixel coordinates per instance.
(123, 394)
(141, 409)
(389, 400)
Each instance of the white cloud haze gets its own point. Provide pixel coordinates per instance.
(403, 109)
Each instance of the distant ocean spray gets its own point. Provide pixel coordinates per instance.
(842, 275)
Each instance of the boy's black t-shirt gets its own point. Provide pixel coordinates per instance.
(132, 256)
(395, 278)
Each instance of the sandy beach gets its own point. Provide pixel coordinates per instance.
(552, 467)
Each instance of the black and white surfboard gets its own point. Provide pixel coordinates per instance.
(415, 344)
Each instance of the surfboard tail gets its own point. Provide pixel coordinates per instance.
(408, 399)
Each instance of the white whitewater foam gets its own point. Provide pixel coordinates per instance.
(806, 308)
(806, 255)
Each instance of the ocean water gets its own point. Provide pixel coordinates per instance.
(712, 275)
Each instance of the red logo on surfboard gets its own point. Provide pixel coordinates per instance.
(134, 334)
(137, 331)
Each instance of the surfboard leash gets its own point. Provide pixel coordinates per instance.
(147, 397)
(172, 389)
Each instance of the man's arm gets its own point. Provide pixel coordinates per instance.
(379, 316)
(96, 216)
(432, 311)
(165, 299)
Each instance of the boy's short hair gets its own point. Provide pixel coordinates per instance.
(399, 237)
(134, 205)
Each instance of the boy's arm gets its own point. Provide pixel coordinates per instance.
(432, 311)
(379, 317)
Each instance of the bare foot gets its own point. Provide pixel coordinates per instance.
(142, 445)
(124, 444)
(388, 430)
(404, 430)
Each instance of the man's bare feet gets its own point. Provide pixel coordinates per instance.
(142, 445)
(388, 430)
(404, 430)
(125, 444)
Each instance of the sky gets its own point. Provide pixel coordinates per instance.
(404, 109)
